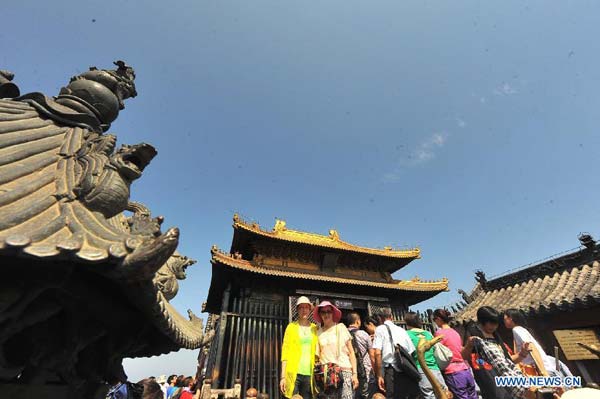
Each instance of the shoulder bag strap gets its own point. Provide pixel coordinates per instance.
(355, 342)
(337, 340)
(391, 338)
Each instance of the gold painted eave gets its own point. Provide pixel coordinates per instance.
(223, 258)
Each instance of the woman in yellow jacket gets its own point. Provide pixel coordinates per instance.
(298, 354)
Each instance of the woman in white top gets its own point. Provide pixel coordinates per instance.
(335, 346)
(514, 320)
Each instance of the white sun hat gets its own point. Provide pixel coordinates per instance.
(305, 300)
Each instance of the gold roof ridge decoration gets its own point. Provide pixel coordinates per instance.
(235, 261)
(281, 232)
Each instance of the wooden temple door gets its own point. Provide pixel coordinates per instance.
(252, 338)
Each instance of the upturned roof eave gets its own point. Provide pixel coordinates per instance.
(416, 285)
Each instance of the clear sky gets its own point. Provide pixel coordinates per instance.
(467, 128)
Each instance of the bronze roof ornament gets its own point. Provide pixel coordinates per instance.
(91, 100)
(63, 190)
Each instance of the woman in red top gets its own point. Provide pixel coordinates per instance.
(457, 375)
(186, 391)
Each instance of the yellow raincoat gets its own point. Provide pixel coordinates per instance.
(290, 353)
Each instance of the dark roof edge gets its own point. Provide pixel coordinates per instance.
(577, 258)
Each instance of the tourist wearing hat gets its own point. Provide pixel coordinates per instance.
(335, 346)
(162, 381)
(298, 353)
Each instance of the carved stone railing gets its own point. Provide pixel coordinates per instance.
(232, 393)
(209, 393)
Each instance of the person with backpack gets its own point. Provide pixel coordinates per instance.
(457, 374)
(490, 357)
(365, 357)
(391, 378)
(415, 332)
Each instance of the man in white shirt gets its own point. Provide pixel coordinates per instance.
(391, 379)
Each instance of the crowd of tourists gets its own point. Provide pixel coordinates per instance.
(375, 358)
(173, 387)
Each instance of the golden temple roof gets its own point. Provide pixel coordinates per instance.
(231, 260)
(281, 232)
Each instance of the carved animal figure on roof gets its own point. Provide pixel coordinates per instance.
(106, 176)
(464, 296)
(481, 279)
(167, 276)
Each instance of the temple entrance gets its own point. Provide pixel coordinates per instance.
(268, 270)
(349, 306)
(363, 305)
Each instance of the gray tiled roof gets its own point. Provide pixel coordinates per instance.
(563, 290)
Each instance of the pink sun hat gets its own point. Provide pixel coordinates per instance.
(337, 314)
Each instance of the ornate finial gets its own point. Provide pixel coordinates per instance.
(236, 218)
(7, 88)
(100, 92)
(125, 73)
(333, 234)
(279, 226)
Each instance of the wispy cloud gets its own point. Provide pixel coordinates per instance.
(461, 123)
(424, 152)
(504, 90)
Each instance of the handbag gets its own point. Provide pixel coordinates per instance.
(405, 361)
(328, 376)
(443, 355)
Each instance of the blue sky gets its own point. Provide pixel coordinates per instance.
(468, 129)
